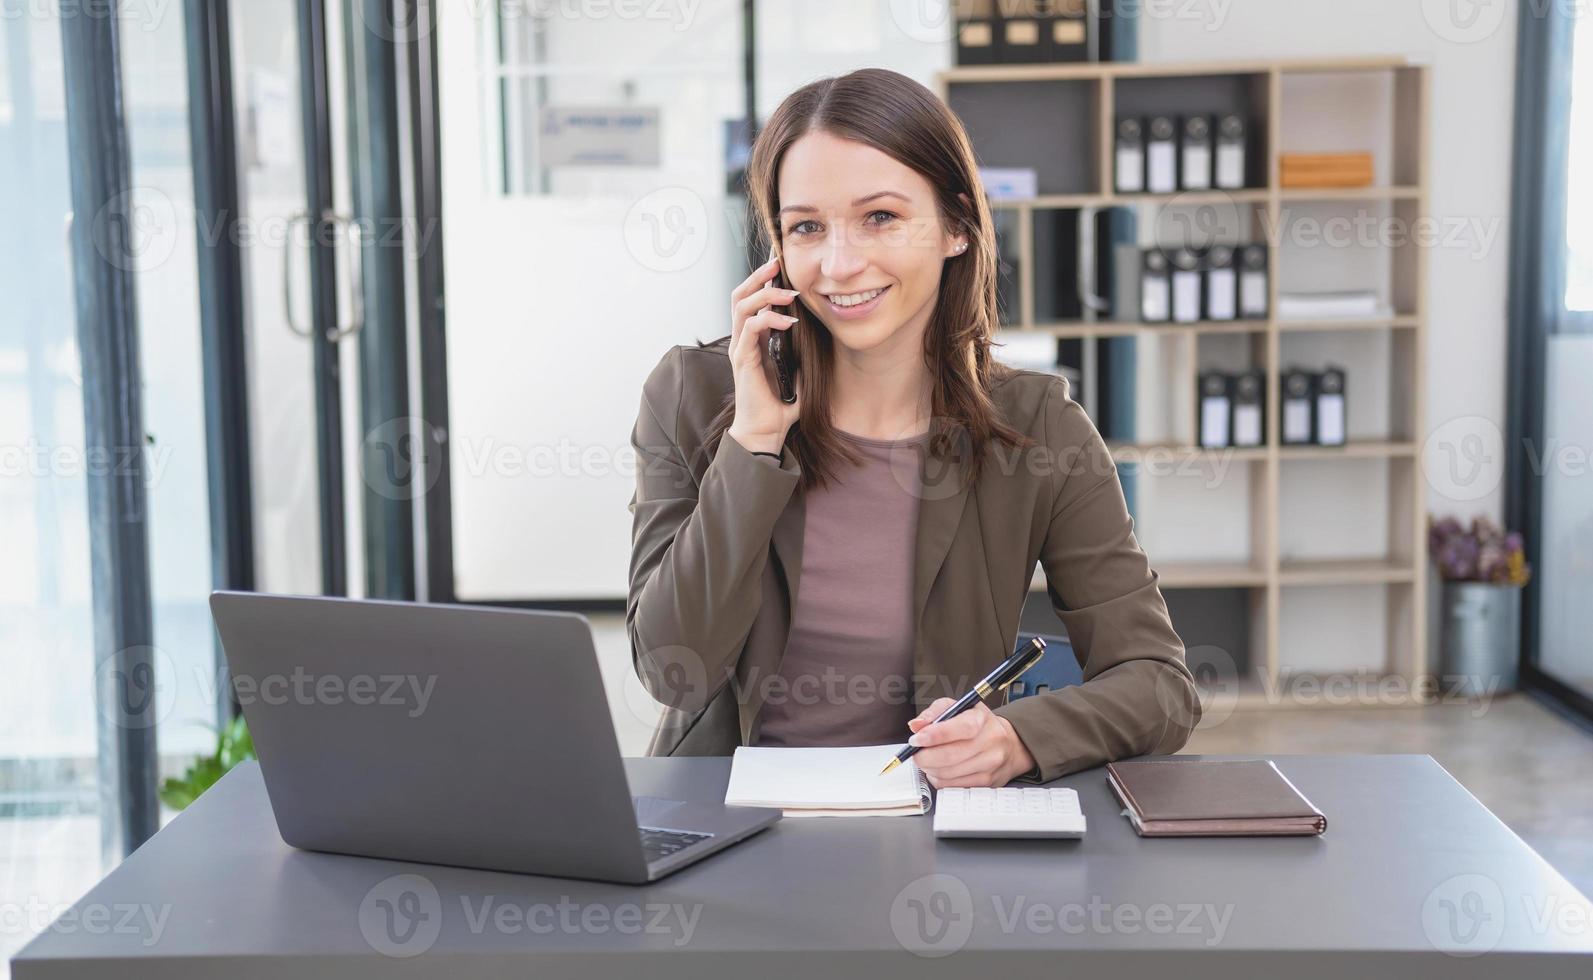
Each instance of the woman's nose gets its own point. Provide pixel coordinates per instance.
(841, 261)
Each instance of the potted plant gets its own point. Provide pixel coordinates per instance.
(1483, 569)
(233, 745)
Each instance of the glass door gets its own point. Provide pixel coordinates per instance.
(1565, 485)
(49, 800)
(300, 274)
(590, 194)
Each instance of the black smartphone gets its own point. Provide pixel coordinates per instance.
(782, 350)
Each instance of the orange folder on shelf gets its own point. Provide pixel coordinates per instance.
(1325, 169)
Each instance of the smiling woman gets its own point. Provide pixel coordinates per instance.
(867, 188)
(832, 571)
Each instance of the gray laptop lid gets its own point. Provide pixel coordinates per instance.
(446, 734)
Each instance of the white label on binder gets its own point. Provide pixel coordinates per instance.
(1330, 420)
(1253, 294)
(1230, 166)
(1296, 420)
(1214, 421)
(1130, 169)
(1186, 297)
(1247, 425)
(1162, 173)
(1153, 298)
(1197, 167)
(1220, 294)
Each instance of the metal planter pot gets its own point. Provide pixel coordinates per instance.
(1479, 638)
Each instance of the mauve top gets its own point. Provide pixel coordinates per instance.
(846, 678)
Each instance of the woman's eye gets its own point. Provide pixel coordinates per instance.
(801, 227)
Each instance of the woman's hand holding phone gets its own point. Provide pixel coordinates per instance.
(762, 419)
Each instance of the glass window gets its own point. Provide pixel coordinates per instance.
(1579, 189)
(1565, 545)
(49, 800)
(164, 264)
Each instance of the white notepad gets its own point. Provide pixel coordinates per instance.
(827, 782)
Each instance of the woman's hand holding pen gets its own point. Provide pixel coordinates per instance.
(762, 419)
(975, 748)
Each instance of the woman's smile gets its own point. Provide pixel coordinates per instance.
(856, 305)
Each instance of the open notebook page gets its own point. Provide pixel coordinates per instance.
(811, 782)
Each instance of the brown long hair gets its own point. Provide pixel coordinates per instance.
(903, 119)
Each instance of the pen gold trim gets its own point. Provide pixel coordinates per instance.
(997, 680)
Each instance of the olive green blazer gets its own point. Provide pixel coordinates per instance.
(716, 557)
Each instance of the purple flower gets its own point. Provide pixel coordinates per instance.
(1482, 551)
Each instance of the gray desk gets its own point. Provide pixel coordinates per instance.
(1410, 863)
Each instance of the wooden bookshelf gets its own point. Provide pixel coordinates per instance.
(1094, 94)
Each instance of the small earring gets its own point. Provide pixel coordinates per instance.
(962, 246)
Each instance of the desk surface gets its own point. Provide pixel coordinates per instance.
(1413, 878)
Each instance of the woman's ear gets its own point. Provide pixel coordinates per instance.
(960, 246)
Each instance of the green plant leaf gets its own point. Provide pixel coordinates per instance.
(234, 744)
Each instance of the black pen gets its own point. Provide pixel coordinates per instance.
(997, 680)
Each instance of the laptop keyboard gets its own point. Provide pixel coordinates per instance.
(659, 843)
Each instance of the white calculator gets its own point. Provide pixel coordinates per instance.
(1008, 811)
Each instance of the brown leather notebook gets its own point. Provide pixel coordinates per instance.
(1212, 798)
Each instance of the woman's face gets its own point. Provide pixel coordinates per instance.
(862, 241)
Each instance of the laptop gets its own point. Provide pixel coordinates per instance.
(459, 735)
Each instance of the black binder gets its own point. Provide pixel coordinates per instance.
(1195, 153)
(977, 32)
(1299, 404)
(1216, 424)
